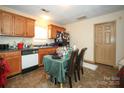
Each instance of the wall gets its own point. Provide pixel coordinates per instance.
(39, 22)
(82, 33)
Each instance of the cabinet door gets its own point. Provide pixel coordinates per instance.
(43, 52)
(7, 23)
(41, 55)
(52, 31)
(14, 61)
(15, 65)
(51, 50)
(19, 26)
(30, 28)
(0, 22)
(61, 29)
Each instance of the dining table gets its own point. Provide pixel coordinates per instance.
(56, 67)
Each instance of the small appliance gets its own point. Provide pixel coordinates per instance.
(4, 46)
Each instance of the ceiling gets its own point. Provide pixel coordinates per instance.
(69, 13)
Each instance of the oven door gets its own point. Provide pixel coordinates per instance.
(29, 60)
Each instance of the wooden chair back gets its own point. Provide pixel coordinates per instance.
(72, 62)
(80, 57)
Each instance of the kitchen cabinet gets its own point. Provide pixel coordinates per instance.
(16, 25)
(45, 51)
(0, 22)
(19, 25)
(60, 29)
(14, 60)
(30, 28)
(6, 23)
(53, 29)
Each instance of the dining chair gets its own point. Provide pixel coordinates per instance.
(71, 67)
(79, 62)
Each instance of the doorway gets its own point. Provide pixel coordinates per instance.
(105, 43)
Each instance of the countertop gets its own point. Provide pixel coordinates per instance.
(10, 50)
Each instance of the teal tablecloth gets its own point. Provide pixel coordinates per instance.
(55, 67)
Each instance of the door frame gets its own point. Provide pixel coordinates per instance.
(114, 21)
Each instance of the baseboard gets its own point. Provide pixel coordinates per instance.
(13, 75)
(92, 62)
(29, 69)
(89, 61)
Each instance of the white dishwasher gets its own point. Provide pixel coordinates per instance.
(29, 60)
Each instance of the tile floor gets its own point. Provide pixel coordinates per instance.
(103, 77)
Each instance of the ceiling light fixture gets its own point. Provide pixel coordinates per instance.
(46, 17)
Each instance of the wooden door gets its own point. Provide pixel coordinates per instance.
(105, 43)
(30, 28)
(7, 23)
(20, 26)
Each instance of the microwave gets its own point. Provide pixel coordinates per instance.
(4, 46)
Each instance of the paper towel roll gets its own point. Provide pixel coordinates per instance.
(74, 47)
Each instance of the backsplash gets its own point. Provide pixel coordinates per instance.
(13, 40)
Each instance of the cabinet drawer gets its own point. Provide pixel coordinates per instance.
(47, 49)
(2, 55)
(11, 54)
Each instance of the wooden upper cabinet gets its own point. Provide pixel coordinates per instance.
(16, 25)
(6, 23)
(53, 29)
(19, 26)
(60, 29)
(30, 28)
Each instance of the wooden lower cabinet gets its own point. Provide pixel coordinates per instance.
(45, 51)
(14, 60)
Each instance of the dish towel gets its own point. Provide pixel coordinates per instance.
(4, 70)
